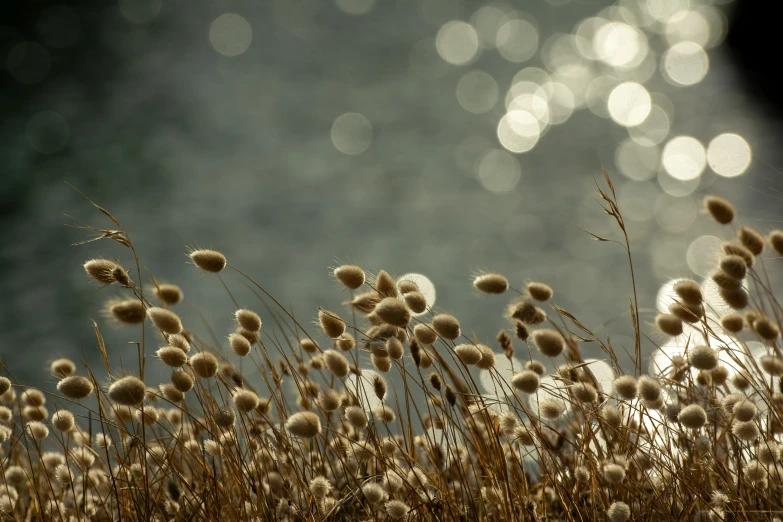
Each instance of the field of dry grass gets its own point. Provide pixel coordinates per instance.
(412, 434)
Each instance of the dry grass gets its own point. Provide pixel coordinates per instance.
(417, 440)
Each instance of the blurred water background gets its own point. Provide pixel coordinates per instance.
(438, 137)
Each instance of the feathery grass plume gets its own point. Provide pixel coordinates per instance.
(331, 324)
(239, 344)
(355, 416)
(551, 408)
(692, 416)
(308, 345)
(619, 511)
(33, 397)
(329, 400)
(549, 342)
(366, 302)
(506, 344)
(720, 209)
(394, 348)
(703, 357)
(305, 424)
(487, 360)
(172, 356)
(744, 410)
(521, 310)
(346, 342)
(521, 330)
(248, 319)
(35, 413)
(385, 285)
(766, 329)
(396, 509)
(469, 354)
(526, 381)
(447, 326)
(669, 324)
(37, 430)
(171, 393)
(625, 387)
(740, 380)
(168, 293)
(320, 487)
(393, 311)
(611, 416)
(745, 431)
(491, 283)
(768, 452)
(415, 301)
(75, 387)
(737, 299)
(101, 270)
(584, 392)
(183, 381)
(336, 363)
(536, 366)
(425, 334)
(725, 281)
(771, 364)
(686, 313)
(649, 388)
(374, 493)
(539, 291)
(731, 248)
(775, 239)
(224, 417)
(732, 322)
(63, 420)
(208, 260)
(165, 320)
(204, 364)
(126, 311)
(382, 364)
(351, 276)
(734, 266)
(435, 381)
(61, 368)
(128, 391)
(379, 387)
(689, 291)
(751, 240)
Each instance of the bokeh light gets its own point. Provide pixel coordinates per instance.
(351, 133)
(729, 155)
(499, 171)
(684, 157)
(477, 92)
(457, 42)
(685, 64)
(702, 253)
(230, 34)
(518, 131)
(517, 40)
(426, 287)
(629, 104)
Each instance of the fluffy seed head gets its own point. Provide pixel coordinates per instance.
(37, 430)
(329, 400)
(245, 400)
(320, 486)
(521, 330)
(308, 345)
(551, 408)
(183, 381)
(618, 512)
(384, 414)
(248, 319)
(396, 509)
(224, 417)
(168, 293)
(165, 320)
(692, 416)
(385, 285)
(394, 348)
(102, 270)
(731, 248)
(468, 353)
(305, 424)
(732, 322)
(127, 311)
(63, 420)
(685, 312)
(61, 368)
(171, 393)
(751, 240)
(737, 299)
(204, 364)
(669, 324)
(447, 326)
(703, 357)
(75, 387)
(766, 329)
(526, 381)
(772, 364)
(172, 356)
(379, 387)
(549, 342)
(33, 397)
(689, 291)
(614, 473)
(768, 452)
(425, 334)
(336, 363)
(239, 344)
(128, 391)
(487, 360)
(539, 291)
(331, 324)
(382, 364)
(720, 209)
(734, 266)
(725, 281)
(416, 302)
(393, 311)
(208, 260)
(346, 342)
(351, 276)
(625, 387)
(741, 380)
(755, 471)
(491, 283)
(374, 493)
(744, 410)
(356, 417)
(649, 388)
(745, 431)
(775, 239)
(584, 392)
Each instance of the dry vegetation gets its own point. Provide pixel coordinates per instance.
(416, 440)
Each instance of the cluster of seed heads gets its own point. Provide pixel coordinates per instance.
(383, 411)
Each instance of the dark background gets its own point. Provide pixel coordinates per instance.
(130, 103)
